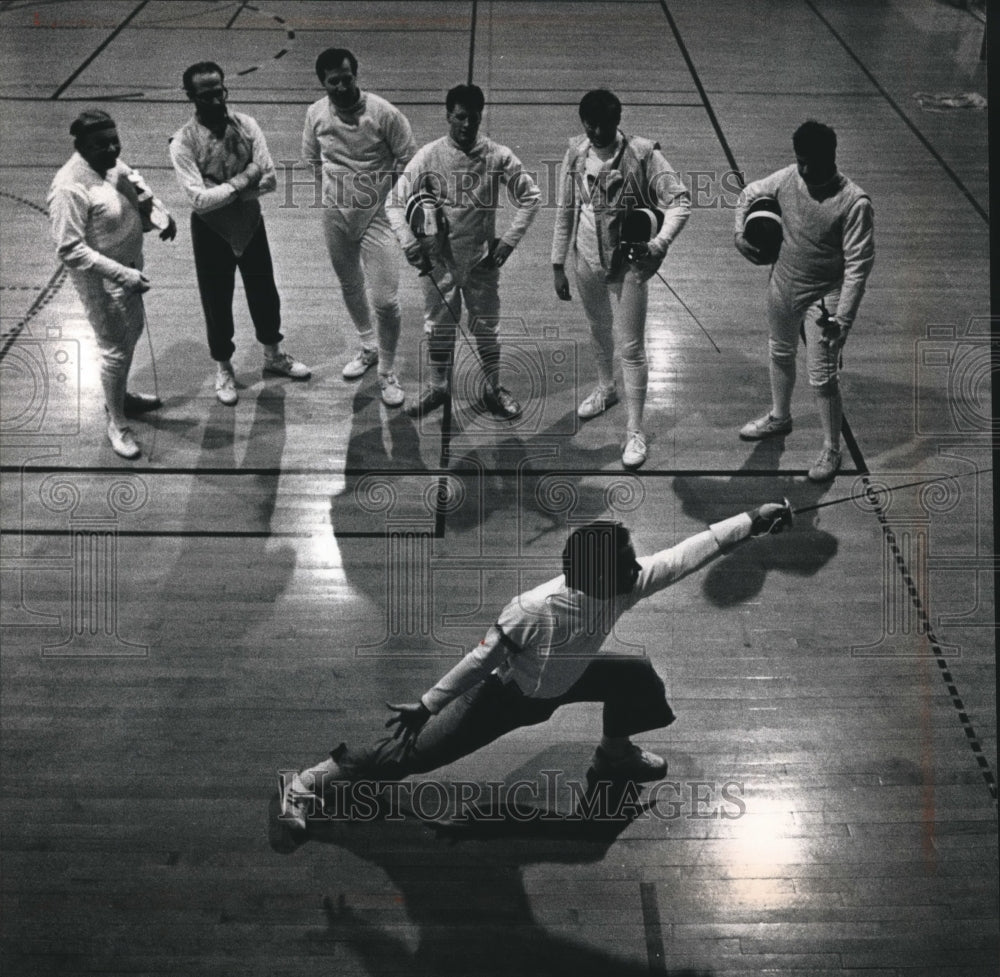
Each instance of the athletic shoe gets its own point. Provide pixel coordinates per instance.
(122, 441)
(597, 403)
(825, 466)
(431, 400)
(765, 427)
(297, 803)
(501, 403)
(636, 765)
(284, 365)
(635, 450)
(141, 404)
(392, 392)
(363, 360)
(225, 386)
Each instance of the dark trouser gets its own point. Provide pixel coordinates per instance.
(215, 265)
(634, 701)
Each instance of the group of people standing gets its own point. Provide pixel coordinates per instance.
(438, 204)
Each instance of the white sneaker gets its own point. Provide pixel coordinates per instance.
(122, 441)
(635, 450)
(825, 466)
(767, 426)
(286, 366)
(598, 402)
(636, 764)
(363, 360)
(297, 804)
(392, 392)
(225, 386)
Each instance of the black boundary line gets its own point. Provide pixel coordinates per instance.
(924, 141)
(239, 10)
(411, 472)
(849, 440)
(652, 928)
(46, 295)
(100, 47)
(719, 134)
(975, 744)
(472, 42)
(992, 48)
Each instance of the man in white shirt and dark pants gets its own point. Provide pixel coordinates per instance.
(544, 652)
(223, 166)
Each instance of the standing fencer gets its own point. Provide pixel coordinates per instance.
(604, 176)
(543, 652)
(358, 143)
(460, 258)
(816, 285)
(99, 209)
(223, 166)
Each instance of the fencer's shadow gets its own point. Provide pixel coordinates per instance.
(462, 888)
(496, 477)
(222, 500)
(802, 550)
(175, 421)
(512, 470)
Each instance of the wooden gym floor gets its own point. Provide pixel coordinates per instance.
(178, 630)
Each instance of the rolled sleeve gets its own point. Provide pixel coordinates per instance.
(202, 198)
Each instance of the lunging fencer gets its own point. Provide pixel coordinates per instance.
(223, 166)
(358, 143)
(605, 176)
(816, 284)
(99, 209)
(542, 653)
(460, 257)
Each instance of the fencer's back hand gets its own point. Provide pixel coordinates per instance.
(645, 261)
(409, 720)
(834, 333)
(561, 283)
(748, 251)
(770, 518)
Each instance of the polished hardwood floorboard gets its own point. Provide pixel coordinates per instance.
(177, 630)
